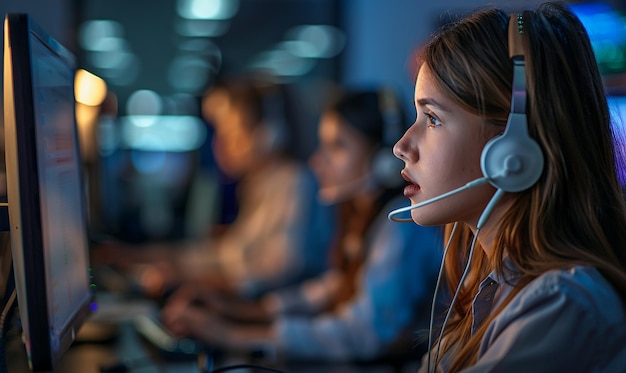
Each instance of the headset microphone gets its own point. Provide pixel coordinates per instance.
(471, 184)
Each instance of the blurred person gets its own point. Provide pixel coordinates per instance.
(377, 292)
(280, 225)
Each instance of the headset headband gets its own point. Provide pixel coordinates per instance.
(516, 52)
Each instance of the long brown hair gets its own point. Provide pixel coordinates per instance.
(575, 213)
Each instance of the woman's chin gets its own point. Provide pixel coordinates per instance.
(425, 219)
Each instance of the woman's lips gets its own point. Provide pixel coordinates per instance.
(411, 189)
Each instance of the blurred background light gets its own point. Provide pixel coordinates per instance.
(89, 89)
(92, 33)
(112, 59)
(189, 73)
(201, 27)
(316, 41)
(108, 51)
(282, 63)
(207, 9)
(144, 102)
(163, 133)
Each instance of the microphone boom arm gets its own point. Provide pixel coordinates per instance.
(472, 184)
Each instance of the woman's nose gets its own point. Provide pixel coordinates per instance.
(403, 148)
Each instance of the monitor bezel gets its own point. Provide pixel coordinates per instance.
(25, 218)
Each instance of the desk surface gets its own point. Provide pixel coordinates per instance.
(121, 342)
(129, 346)
(84, 357)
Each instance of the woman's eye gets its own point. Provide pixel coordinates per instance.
(432, 121)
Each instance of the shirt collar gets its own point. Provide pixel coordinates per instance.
(510, 273)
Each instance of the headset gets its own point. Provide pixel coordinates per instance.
(513, 161)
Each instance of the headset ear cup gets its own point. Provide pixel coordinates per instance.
(512, 162)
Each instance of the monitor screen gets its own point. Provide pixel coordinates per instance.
(606, 27)
(48, 227)
(617, 107)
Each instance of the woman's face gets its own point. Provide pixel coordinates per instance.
(342, 159)
(441, 152)
(234, 143)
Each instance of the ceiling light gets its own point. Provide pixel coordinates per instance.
(207, 9)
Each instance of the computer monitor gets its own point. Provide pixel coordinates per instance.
(47, 214)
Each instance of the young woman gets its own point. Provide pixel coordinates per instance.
(538, 284)
(376, 293)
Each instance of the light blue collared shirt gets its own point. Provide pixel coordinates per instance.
(563, 321)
